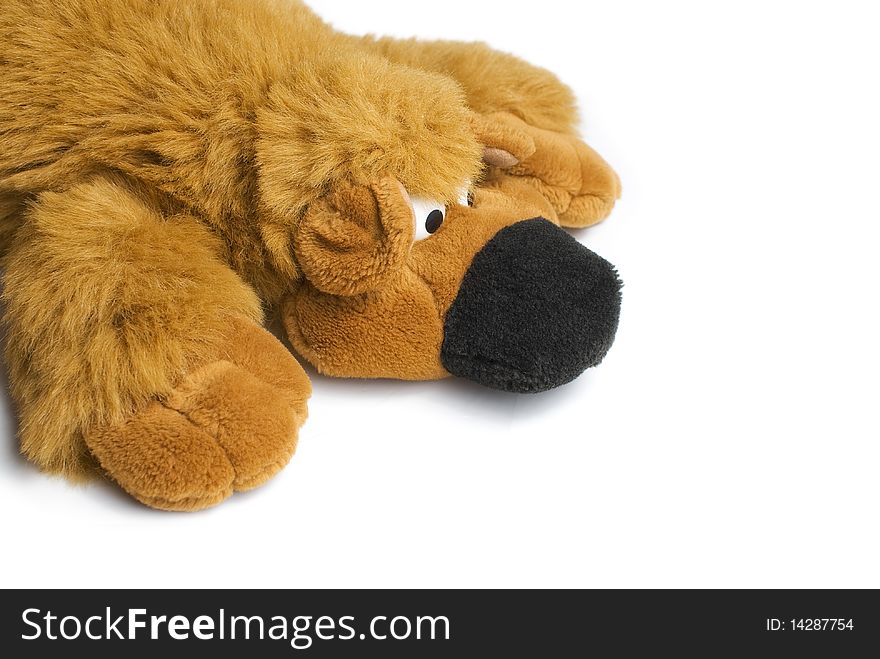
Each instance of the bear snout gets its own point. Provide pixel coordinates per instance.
(534, 311)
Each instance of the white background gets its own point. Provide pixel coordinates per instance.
(729, 440)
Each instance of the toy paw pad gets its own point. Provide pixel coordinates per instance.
(579, 184)
(229, 426)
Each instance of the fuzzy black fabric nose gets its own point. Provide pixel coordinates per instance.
(535, 310)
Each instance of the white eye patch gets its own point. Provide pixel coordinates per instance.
(430, 214)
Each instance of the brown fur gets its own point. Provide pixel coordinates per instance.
(168, 169)
(578, 183)
(395, 330)
(229, 426)
(245, 112)
(493, 81)
(108, 304)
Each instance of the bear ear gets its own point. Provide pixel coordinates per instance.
(356, 238)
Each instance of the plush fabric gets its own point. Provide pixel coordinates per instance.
(227, 426)
(172, 171)
(574, 178)
(526, 305)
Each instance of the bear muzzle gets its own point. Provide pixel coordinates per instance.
(535, 310)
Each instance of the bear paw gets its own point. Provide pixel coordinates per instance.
(228, 426)
(572, 177)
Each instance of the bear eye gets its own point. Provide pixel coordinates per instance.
(429, 217)
(434, 221)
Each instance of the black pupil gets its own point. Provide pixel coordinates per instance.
(435, 219)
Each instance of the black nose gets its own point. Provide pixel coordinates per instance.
(535, 310)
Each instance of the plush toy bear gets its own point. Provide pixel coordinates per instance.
(172, 171)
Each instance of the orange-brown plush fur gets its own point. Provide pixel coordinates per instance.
(578, 183)
(493, 81)
(393, 328)
(168, 170)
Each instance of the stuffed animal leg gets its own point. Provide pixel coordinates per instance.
(580, 186)
(527, 121)
(132, 348)
(493, 81)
